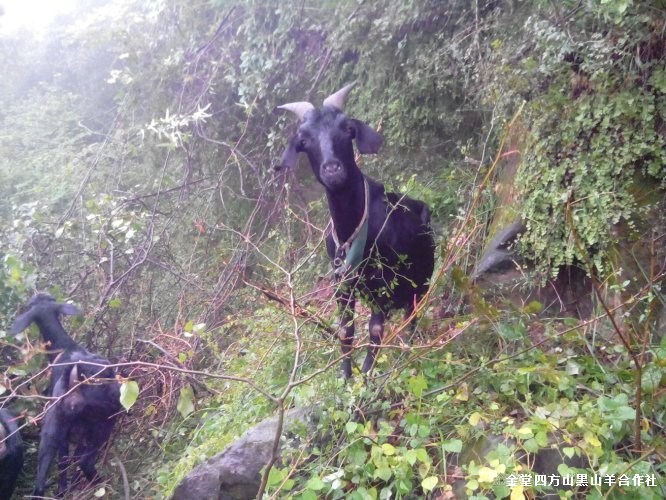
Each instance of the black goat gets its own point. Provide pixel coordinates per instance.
(11, 454)
(381, 243)
(86, 393)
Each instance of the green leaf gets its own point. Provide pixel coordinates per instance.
(592, 439)
(185, 404)
(351, 427)
(384, 473)
(275, 476)
(358, 456)
(533, 307)
(573, 368)
(422, 455)
(462, 393)
(474, 418)
(315, 484)
(429, 483)
(129, 392)
(388, 449)
(417, 385)
(541, 439)
(487, 475)
(410, 457)
(525, 431)
(531, 445)
(288, 485)
(452, 445)
(651, 377)
(512, 331)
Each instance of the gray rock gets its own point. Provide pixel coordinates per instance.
(235, 473)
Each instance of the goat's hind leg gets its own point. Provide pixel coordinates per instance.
(88, 450)
(411, 328)
(376, 328)
(64, 463)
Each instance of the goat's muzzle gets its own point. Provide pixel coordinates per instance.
(331, 167)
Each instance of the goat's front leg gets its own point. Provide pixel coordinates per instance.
(47, 452)
(54, 438)
(346, 304)
(376, 328)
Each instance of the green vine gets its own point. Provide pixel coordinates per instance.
(596, 150)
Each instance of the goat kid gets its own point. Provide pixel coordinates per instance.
(11, 454)
(381, 243)
(86, 393)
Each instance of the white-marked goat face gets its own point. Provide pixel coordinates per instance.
(326, 136)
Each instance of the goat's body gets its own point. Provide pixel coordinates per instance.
(399, 236)
(398, 261)
(11, 454)
(87, 425)
(398, 257)
(86, 394)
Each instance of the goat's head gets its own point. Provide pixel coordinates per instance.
(41, 305)
(89, 385)
(326, 135)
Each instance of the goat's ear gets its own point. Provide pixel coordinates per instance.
(21, 323)
(290, 156)
(368, 140)
(68, 309)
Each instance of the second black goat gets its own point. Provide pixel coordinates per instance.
(11, 454)
(85, 391)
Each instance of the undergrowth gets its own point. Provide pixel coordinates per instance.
(458, 420)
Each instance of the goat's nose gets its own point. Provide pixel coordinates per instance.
(331, 166)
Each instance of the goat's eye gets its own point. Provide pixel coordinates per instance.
(351, 131)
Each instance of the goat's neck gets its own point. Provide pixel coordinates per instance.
(54, 333)
(347, 207)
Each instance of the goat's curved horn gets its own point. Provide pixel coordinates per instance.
(298, 108)
(337, 100)
(74, 376)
